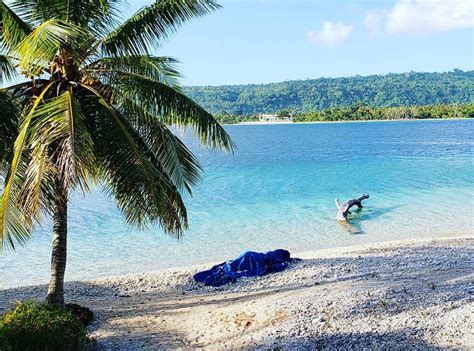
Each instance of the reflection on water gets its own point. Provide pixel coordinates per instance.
(278, 191)
(357, 216)
(352, 227)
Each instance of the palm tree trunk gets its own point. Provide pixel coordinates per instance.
(59, 252)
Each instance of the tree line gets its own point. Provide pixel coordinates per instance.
(360, 112)
(390, 90)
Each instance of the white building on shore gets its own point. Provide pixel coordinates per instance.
(266, 118)
(274, 118)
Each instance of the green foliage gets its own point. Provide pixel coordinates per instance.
(234, 119)
(40, 326)
(362, 112)
(406, 89)
(94, 106)
(152, 25)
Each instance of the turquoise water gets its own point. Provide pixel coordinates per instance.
(278, 191)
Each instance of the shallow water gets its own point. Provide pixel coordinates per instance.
(278, 191)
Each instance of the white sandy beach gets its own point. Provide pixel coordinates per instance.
(415, 294)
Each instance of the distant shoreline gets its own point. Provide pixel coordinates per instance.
(387, 120)
(341, 121)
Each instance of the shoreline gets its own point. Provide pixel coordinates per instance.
(306, 254)
(389, 120)
(387, 294)
(352, 121)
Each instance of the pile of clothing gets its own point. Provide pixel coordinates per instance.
(248, 264)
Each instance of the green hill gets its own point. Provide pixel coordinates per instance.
(405, 89)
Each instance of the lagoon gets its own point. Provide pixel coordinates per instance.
(277, 191)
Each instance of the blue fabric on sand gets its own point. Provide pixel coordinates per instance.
(248, 264)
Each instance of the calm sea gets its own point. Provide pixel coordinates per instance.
(278, 191)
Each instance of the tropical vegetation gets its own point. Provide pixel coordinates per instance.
(364, 112)
(85, 101)
(390, 90)
(33, 326)
(361, 112)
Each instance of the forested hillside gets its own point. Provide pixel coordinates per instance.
(405, 89)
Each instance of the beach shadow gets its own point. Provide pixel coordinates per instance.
(404, 339)
(370, 271)
(139, 337)
(84, 293)
(386, 277)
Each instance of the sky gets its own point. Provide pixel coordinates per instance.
(262, 41)
(265, 41)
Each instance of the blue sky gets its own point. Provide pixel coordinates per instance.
(261, 41)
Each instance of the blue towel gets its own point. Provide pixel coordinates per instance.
(248, 264)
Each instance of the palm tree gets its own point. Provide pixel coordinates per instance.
(93, 106)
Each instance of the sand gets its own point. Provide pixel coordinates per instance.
(415, 295)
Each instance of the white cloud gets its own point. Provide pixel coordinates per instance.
(331, 34)
(425, 16)
(374, 20)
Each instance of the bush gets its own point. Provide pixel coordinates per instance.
(35, 326)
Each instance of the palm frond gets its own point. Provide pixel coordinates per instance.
(59, 124)
(7, 69)
(152, 25)
(143, 191)
(159, 68)
(80, 144)
(35, 193)
(12, 27)
(14, 227)
(9, 119)
(15, 224)
(12, 102)
(39, 49)
(23, 93)
(38, 11)
(60, 153)
(99, 15)
(165, 148)
(171, 105)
